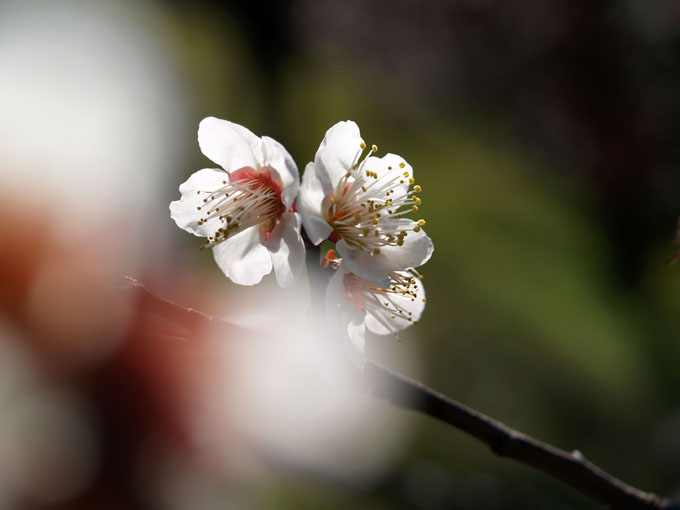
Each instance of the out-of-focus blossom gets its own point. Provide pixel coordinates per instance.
(354, 303)
(361, 204)
(245, 210)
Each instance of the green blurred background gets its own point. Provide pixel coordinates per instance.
(545, 137)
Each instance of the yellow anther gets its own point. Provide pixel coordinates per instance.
(362, 145)
(417, 188)
(402, 164)
(374, 148)
(376, 251)
(405, 174)
(424, 300)
(376, 221)
(417, 201)
(389, 168)
(414, 208)
(411, 180)
(416, 228)
(421, 223)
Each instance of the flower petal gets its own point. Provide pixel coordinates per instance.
(287, 249)
(344, 317)
(338, 151)
(338, 307)
(228, 144)
(416, 250)
(356, 331)
(380, 321)
(185, 211)
(243, 258)
(391, 173)
(310, 204)
(275, 156)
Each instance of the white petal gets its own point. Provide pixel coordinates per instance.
(378, 318)
(185, 210)
(228, 144)
(416, 250)
(243, 258)
(390, 171)
(339, 308)
(356, 331)
(310, 204)
(276, 156)
(287, 249)
(338, 151)
(344, 317)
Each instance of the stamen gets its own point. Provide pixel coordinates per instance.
(252, 200)
(380, 302)
(365, 202)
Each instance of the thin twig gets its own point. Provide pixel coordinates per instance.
(572, 468)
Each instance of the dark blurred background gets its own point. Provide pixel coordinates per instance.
(545, 137)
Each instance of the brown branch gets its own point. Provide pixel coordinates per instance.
(572, 468)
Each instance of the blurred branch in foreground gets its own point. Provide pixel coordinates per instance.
(572, 468)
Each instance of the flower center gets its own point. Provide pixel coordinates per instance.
(364, 208)
(249, 197)
(380, 302)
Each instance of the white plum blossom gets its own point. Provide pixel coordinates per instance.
(360, 204)
(354, 303)
(245, 209)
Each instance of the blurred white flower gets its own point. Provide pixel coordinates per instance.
(245, 209)
(360, 204)
(354, 304)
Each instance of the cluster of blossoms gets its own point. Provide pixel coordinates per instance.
(252, 211)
